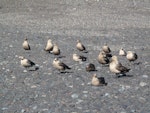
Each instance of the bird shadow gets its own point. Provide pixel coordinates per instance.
(37, 68)
(92, 70)
(64, 72)
(123, 75)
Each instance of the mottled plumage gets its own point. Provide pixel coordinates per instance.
(102, 58)
(60, 65)
(116, 67)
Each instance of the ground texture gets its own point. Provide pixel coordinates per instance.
(119, 23)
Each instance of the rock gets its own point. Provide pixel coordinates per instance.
(143, 84)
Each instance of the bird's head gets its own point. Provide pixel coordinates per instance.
(114, 58)
(94, 75)
(78, 41)
(21, 57)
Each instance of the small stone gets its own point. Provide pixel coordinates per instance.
(74, 96)
(82, 84)
(4, 108)
(24, 71)
(85, 95)
(85, 91)
(34, 107)
(122, 112)
(43, 95)
(23, 110)
(79, 69)
(133, 110)
(79, 101)
(106, 94)
(10, 45)
(143, 84)
(145, 76)
(33, 86)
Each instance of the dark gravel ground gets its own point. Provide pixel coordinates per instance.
(120, 23)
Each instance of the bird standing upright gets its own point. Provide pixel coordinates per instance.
(122, 52)
(56, 50)
(49, 45)
(26, 45)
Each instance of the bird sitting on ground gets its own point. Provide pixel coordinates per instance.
(116, 67)
(78, 58)
(122, 52)
(80, 46)
(131, 56)
(106, 48)
(102, 58)
(98, 81)
(27, 63)
(56, 50)
(49, 45)
(90, 67)
(60, 65)
(26, 45)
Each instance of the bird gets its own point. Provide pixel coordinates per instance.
(102, 58)
(90, 67)
(26, 45)
(56, 50)
(131, 56)
(122, 52)
(49, 45)
(98, 81)
(80, 46)
(27, 63)
(106, 48)
(60, 65)
(78, 58)
(116, 67)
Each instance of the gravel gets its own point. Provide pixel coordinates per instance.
(119, 23)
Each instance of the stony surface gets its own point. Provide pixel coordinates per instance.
(120, 23)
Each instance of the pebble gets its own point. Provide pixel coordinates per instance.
(79, 101)
(11, 46)
(145, 76)
(34, 107)
(74, 96)
(106, 94)
(23, 110)
(85, 91)
(143, 84)
(4, 108)
(24, 71)
(34, 86)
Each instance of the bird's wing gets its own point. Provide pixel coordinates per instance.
(122, 68)
(30, 62)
